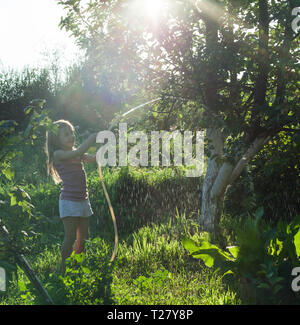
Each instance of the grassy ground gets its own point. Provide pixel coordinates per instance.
(151, 267)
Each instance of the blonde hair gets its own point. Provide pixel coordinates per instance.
(52, 144)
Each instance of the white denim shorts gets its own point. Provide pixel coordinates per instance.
(75, 208)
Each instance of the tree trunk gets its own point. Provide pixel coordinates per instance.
(213, 193)
(220, 176)
(211, 210)
(210, 205)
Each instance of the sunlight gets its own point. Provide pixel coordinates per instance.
(148, 9)
(30, 31)
(153, 7)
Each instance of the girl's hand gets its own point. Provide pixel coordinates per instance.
(88, 158)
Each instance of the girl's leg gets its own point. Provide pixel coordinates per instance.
(70, 226)
(82, 234)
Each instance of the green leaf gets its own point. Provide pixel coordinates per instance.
(8, 172)
(27, 110)
(190, 245)
(234, 250)
(297, 242)
(86, 270)
(79, 257)
(13, 200)
(22, 286)
(209, 253)
(207, 256)
(264, 286)
(228, 272)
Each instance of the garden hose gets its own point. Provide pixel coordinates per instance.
(102, 180)
(112, 215)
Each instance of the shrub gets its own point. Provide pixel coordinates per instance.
(88, 275)
(262, 260)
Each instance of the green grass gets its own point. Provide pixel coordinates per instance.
(151, 267)
(155, 269)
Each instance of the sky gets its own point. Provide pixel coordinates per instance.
(28, 30)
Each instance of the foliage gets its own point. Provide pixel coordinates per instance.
(230, 67)
(16, 207)
(263, 257)
(208, 73)
(170, 279)
(275, 176)
(150, 193)
(185, 59)
(88, 275)
(17, 89)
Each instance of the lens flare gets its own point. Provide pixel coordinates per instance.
(153, 7)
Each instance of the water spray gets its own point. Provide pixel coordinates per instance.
(112, 124)
(115, 121)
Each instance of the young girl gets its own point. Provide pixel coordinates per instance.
(65, 164)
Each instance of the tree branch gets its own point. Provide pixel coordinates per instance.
(221, 180)
(281, 78)
(248, 156)
(210, 83)
(263, 54)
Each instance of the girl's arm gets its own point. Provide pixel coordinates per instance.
(88, 158)
(65, 155)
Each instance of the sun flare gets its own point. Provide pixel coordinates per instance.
(153, 7)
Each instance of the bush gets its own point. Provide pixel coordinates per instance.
(141, 196)
(262, 260)
(89, 275)
(275, 174)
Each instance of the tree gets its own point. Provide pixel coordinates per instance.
(233, 63)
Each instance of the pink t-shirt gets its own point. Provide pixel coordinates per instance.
(73, 178)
